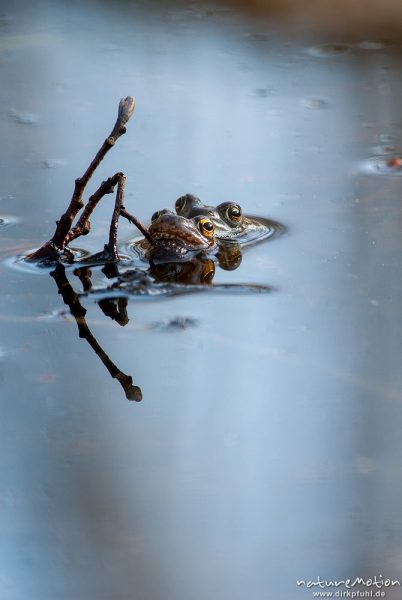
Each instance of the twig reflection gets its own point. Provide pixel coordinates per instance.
(71, 299)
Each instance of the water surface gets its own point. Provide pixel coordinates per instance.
(267, 445)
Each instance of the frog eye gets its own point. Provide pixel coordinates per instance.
(156, 215)
(186, 204)
(206, 227)
(180, 204)
(233, 213)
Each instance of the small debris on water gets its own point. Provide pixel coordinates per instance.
(325, 50)
(175, 323)
(257, 37)
(384, 165)
(395, 162)
(55, 315)
(262, 93)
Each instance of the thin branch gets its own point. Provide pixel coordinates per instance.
(137, 223)
(57, 243)
(83, 225)
(112, 245)
(126, 109)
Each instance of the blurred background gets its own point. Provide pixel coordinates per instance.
(267, 447)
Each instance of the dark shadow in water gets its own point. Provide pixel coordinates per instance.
(170, 278)
(160, 279)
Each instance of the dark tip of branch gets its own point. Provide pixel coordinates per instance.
(134, 393)
(126, 109)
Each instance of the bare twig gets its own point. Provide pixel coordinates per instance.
(112, 245)
(138, 224)
(57, 243)
(126, 109)
(83, 225)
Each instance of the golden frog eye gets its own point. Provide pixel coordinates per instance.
(234, 213)
(156, 216)
(206, 227)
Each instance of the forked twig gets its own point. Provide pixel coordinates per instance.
(58, 242)
(83, 225)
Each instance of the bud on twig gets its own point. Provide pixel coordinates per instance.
(126, 109)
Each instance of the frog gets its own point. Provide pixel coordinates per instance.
(228, 218)
(174, 237)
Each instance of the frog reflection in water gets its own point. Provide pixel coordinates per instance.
(228, 219)
(176, 238)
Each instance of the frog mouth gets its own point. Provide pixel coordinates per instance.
(171, 241)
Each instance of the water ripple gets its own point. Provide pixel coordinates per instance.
(384, 165)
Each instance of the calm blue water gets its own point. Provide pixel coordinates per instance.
(267, 445)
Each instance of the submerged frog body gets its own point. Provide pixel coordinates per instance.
(176, 237)
(196, 272)
(228, 219)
